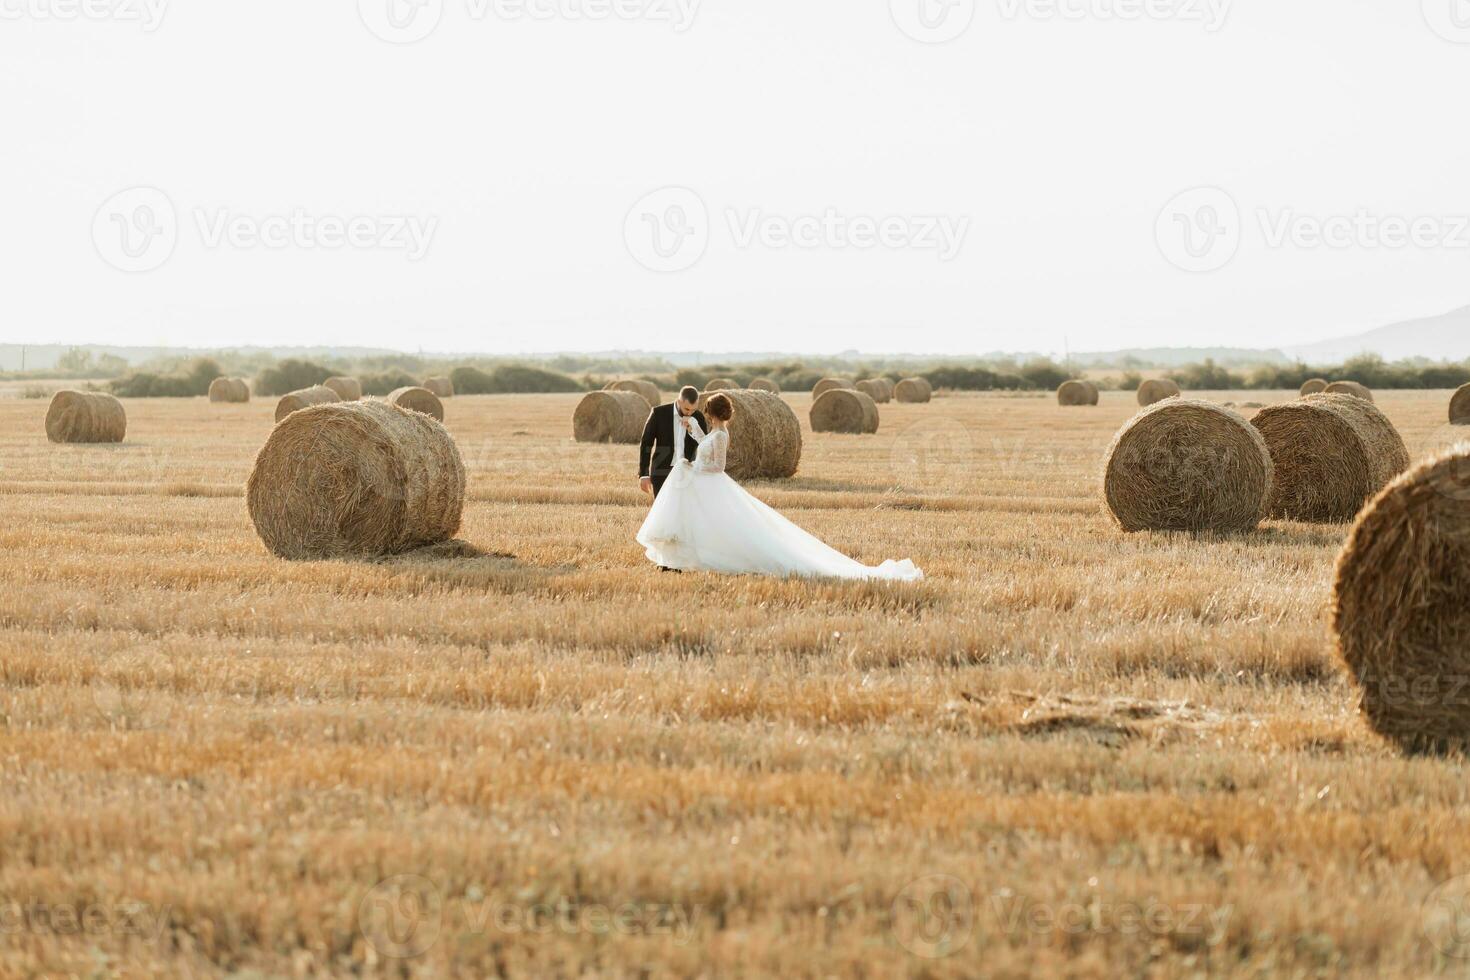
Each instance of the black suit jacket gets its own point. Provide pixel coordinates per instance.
(656, 451)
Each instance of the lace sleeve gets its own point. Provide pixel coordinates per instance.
(719, 451)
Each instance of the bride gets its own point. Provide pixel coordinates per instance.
(704, 521)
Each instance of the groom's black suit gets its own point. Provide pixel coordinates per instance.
(656, 452)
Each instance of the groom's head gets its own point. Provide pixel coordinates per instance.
(688, 399)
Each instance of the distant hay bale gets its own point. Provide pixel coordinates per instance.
(1401, 606)
(647, 389)
(827, 384)
(913, 391)
(230, 390)
(355, 479)
(610, 416)
(417, 399)
(765, 384)
(1074, 394)
(722, 384)
(1314, 387)
(1187, 466)
(874, 389)
(887, 389)
(347, 389)
(305, 398)
(1460, 407)
(1350, 388)
(765, 436)
(1155, 390)
(85, 416)
(440, 386)
(1331, 453)
(844, 410)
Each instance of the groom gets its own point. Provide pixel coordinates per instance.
(666, 436)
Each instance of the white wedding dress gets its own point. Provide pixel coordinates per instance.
(704, 521)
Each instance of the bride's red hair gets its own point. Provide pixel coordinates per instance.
(720, 407)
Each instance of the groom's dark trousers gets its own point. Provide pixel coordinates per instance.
(656, 453)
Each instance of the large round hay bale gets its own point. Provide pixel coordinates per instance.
(844, 410)
(1313, 387)
(827, 384)
(305, 398)
(229, 390)
(1349, 388)
(1401, 606)
(610, 416)
(1331, 454)
(355, 479)
(913, 391)
(874, 389)
(441, 386)
(765, 436)
(1187, 466)
(85, 416)
(347, 389)
(722, 384)
(647, 389)
(417, 399)
(1075, 394)
(1155, 390)
(1460, 407)
(764, 384)
(887, 389)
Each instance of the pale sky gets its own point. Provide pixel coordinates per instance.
(506, 177)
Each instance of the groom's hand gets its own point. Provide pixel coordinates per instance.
(645, 484)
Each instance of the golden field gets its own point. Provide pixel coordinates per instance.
(1068, 752)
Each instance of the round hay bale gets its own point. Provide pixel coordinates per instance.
(827, 384)
(417, 399)
(1187, 466)
(229, 390)
(1349, 388)
(723, 384)
(1314, 387)
(85, 416)
(440, 386)
(355, 479)
(1401, 606)
(764, 384)
(913, 391)
(610, 416)
(887, 389)
(844, 410)
(765, 436)
(305, 398)
(647, 389)
(1075, 394)
(1331, 454)
(1460, 407)
(872, 389)
(1155, 390)
(347, 389)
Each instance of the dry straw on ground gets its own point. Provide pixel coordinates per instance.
(417, 399)
(441, 386)
(1401, 606)
(1460, 407)
(1074, 394)
(765, 384)
(1155, 390)
(305, 398)
(844, 410)
(827, 384)
(913, 391)
(229, 390)
(765, 436)
(355, 479)
(1187, 466)
(347, 389)
(1313, 387)
(722, 384)
(85, 416)
(1349, 388)
(610, 416)
(647, 389)
(1331, 453)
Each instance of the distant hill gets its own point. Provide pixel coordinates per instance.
(40, 357)
(1180, 356)
(1436, 338)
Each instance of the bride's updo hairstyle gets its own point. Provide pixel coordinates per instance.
(720, 406)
